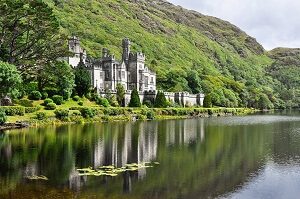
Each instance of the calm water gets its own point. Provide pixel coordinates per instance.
(235, 157)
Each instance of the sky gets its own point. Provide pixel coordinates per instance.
(274, 23)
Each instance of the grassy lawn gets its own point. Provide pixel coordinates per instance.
(50, 113)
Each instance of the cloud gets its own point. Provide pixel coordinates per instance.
(273, 22)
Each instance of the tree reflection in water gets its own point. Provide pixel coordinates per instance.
(197, 157)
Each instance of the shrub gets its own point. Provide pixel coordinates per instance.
(3, 117)
(57, 99)
(51, 106)
(44, 95)
(77, 119)
(102, 102)
(24, 102)
(13, 110)
(150, 115)
(141, 117)
(35, 95)
(135, 99)
(62, 114)
(76, 98)
(32, 109)
(148, 103)
(160, 100)
(41, 116)
(51, 91)
(47, 101)
(88, 112)
(76, 113)
(207, 103)
(80, 103)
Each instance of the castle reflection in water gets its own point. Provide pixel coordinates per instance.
(57, 152)
(138, 143)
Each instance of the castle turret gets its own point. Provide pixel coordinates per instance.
(126, 49)
(104, 52)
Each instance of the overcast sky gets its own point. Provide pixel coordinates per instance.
(273, 23)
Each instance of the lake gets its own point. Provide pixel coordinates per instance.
(256, 156)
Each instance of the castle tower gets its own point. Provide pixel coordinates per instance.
(126, 49)
(74, 45)
(104, 52)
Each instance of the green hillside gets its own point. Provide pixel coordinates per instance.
(189, 51)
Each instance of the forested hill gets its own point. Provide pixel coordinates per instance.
(188, 50)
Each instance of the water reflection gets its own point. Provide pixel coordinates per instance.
(199, 157)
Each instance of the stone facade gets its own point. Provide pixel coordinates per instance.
(131, 72)
(107, 72)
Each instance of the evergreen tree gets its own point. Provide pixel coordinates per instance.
(135, 99)
(120, 94)
(160, 100)
(207, 101)
(82, 80)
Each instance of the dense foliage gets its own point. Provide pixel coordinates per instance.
(160, 100)
(82, 81)
(120, 94)
(10, 79)
(3, 117)
(30, 34)
(192, 53)
(135, 99)
(189, 51)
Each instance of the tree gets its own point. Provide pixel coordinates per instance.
(58, 75)
(120, 94)
(10, 79)
(264, 102)
(207, 101)
(30, 34)
(135, 99)
(82, 80)
(160, 100)
(3, 117)
(194, 81)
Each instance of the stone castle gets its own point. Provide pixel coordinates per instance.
(107, 72)
(131, 72)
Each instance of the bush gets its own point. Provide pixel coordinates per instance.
(62, 114)
(47, 101)
(3, 117)
(57, 99)
(148, 103)
(76, 113)
(207, 103)
(76, 98)
(24, 102)
(149, 113)
(32, 109)
(135, 99)
(44, 95)
(35, 95)
(41, 116)
(51, 106)
(88, 113)
(51, 91)
(80, 103)
(102, 102)
(160, 100)
(13, 110)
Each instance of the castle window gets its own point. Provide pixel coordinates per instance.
(152, 80)
(123, 74)
(146, 81)
(119, 75)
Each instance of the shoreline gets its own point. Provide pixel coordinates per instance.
(127, 114)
